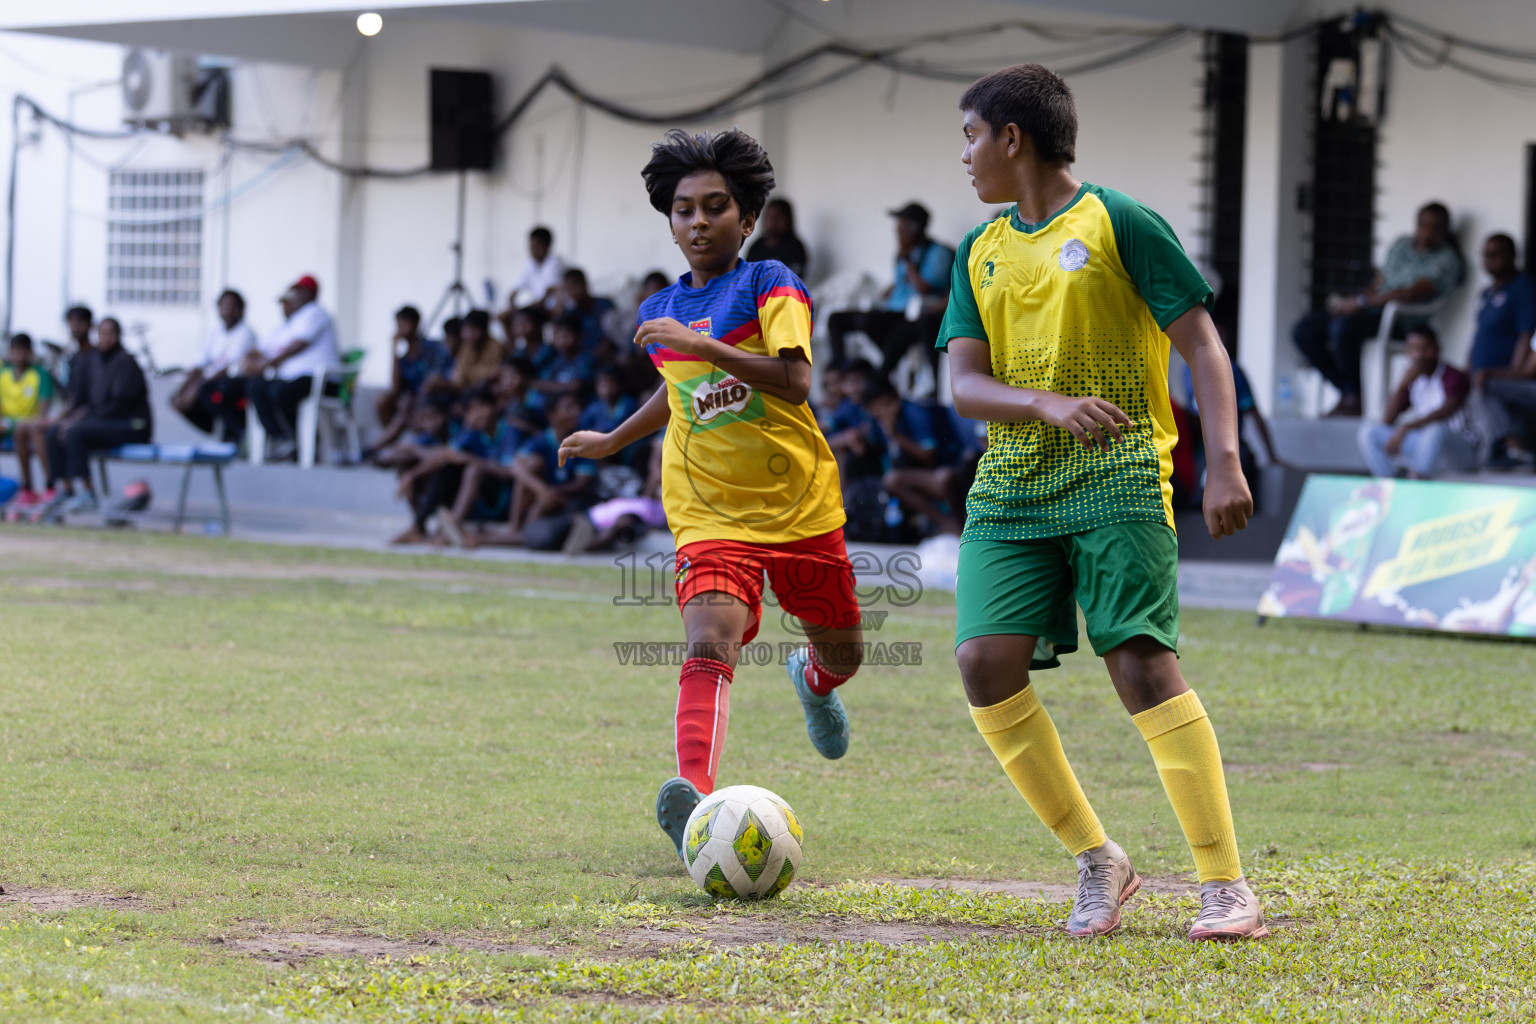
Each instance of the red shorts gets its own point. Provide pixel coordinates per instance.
(812, 578)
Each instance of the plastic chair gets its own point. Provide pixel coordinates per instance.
(307, 425)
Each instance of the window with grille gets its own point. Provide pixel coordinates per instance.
(155, 237)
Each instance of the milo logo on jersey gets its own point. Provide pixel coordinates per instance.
(714, 400)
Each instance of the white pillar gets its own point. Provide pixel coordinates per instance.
(1274, 281)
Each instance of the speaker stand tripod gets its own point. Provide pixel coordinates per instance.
(455, 292)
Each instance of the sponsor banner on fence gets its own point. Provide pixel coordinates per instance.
(1453, 557)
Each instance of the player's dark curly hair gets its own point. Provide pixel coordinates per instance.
(1034, 98)
(735, 154)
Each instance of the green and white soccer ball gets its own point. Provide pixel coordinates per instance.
(742, 842)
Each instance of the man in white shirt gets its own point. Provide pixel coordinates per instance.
(540, 278)
(290, 362)
(1425, 430)
(213, 389)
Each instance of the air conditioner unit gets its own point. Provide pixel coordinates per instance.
(160, 87)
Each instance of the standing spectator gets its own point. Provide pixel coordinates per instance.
(418, 360)
(1424, 429)
(1506, 313)
(114, 407)
(778, 240)
(1417, 269)
(914, 302)
(539, 281)
(479, 355)
(297, 354)
(213, 393)
(26, 389)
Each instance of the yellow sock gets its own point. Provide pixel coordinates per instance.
(1183, 746)
(1023, 737)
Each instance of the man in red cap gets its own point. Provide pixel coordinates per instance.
(292, 361)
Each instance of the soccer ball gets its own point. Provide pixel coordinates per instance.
(742, 842)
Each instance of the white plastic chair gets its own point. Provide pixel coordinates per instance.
(316, 421)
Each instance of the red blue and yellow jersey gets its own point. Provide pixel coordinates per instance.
(739, 463)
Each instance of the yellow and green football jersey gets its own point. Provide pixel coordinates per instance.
(1075, 304)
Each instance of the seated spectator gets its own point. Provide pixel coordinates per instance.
(652, 283)
(513, 389)
(845, 423)
(538, 283)
(417, 360)
(609, 406)
(1417, 269)
(525, 332)
(290, 363)
(1506, 314)
(113, 407)
(777, 240)
(543, 486)
(213, 394)
(576, 302)
(428, 428)
(1424, 431)
(563, 368)
(479, 356)
(436, 480)
(1508, 409)
(1247, 412)
(914, 302)
(79, 320)
(903, 435)
(26, 390)
(935, 496)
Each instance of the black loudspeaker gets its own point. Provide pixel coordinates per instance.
(463, 120)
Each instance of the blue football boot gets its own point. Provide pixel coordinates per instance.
(826, 721)
(674, 803)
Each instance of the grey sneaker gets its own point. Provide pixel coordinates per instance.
(1229, 911)
(826, 720)
(1105, 880)
(83, 502)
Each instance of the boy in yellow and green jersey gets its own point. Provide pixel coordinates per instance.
(1060, 316)
(26, 388)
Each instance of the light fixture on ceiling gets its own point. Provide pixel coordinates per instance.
(369, 24)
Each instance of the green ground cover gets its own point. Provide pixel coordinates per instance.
(258, 783)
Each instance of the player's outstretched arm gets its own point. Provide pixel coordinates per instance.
(1228, 502)
(594, 444)
(980, 396)
(786, 376)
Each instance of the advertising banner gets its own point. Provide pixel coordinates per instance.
(1454, 557)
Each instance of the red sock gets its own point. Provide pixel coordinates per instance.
(821, 680)
(703, 709)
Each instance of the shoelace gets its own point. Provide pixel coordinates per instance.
(1222, 899)
(1091, 896)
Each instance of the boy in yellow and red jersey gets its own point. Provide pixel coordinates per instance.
(1060, 316)
(748, 482)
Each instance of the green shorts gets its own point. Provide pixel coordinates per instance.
(1126, 577)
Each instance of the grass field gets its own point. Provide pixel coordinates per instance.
(252, 783)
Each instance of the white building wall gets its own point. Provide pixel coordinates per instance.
(282, 221)
(571, 168)
(874, 142)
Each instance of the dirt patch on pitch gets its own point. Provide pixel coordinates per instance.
(51, 900)
(1055, 892)
(732, 932)
(289, 948)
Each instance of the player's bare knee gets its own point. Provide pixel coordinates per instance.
(994, 668)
